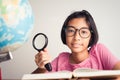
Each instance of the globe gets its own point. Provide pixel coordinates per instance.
(16, 24)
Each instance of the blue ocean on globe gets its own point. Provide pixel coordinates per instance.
(16, 24)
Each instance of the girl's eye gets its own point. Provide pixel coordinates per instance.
(83, 32)
(71, 31)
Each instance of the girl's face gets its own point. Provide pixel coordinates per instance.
(79, 41)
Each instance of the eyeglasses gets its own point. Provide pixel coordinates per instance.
(84, 32)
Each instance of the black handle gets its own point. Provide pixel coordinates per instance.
(48, 67)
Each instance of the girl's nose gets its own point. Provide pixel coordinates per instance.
(77, 36)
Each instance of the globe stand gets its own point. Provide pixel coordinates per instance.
(6, 56)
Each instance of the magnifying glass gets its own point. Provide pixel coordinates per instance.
(40, 41)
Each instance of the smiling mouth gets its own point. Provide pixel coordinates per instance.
(76, 45)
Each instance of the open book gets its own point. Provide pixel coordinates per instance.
(77, 73)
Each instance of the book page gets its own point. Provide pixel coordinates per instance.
(85, 70)
(52, 75)
(95, 73)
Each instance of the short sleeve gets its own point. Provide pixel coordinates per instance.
(107, 58)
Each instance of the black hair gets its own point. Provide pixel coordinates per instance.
(90, 21)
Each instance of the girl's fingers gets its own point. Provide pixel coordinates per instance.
(45, 49)
(42, 58)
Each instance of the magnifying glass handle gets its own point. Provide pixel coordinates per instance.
(48, 67)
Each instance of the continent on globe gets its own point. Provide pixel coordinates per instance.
(16, 24)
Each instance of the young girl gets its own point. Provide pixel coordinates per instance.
(80, 34)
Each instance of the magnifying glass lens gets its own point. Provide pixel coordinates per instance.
(39, 41)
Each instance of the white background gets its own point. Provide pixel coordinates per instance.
(49, 18)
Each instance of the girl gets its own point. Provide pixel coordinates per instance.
(80, 34)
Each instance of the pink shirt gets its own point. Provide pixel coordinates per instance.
(100, 58)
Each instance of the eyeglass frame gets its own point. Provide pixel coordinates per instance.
(78, 31)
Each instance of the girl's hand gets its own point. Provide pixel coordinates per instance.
(42, 58)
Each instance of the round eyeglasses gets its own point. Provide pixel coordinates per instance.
(84, 32)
